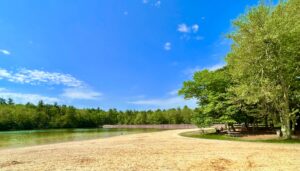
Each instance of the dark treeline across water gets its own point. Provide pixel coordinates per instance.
(46, 116)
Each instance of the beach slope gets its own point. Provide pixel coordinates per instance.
(165, 150)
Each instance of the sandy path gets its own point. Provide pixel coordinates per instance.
(153, 151)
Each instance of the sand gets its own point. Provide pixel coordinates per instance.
(164, 150)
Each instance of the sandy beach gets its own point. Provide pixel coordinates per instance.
(164, 150)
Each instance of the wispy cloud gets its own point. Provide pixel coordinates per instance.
(189, 32)
(81, 93)
(4, 52)
(165, 103)
(4, 74)
(74, 89)
(195, 28)
(190, 71)
(154, 3)
(183, 28)
(36, 77)
(216, 67)
(26, 97)
(157, 4)
(171, 100)
(173, 92)
(167, 46)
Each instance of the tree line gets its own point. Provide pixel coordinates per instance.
(45, 116)
(261, 80)
(259, 84)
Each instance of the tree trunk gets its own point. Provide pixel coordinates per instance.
(286, 128)
(272, 125)
(286, 118)
(293, 127)
(253, 126)
(232, 127)
(226, 127)
(266, 122)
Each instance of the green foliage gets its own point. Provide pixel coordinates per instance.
(44, 116)
(265, 58)
(262, 76)
(210, 89)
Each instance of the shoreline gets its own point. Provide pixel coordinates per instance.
(154, 126)
(68, 141)
(164, 150)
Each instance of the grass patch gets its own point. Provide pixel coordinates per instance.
(215, 136)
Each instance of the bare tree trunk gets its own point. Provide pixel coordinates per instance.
(286, 129)
(232, 127)
(226, 127)
(286, 118)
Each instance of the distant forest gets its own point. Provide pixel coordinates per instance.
(46, 116)
(259, 84)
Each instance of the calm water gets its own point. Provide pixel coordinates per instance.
(11, 139)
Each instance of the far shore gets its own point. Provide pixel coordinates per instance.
(165, 150)
(152, 126)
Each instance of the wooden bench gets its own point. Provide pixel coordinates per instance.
(234, 134)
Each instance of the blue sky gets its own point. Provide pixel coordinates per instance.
(125, 54)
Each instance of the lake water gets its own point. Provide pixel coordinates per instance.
(12, 139)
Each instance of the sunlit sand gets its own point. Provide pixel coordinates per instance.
(164, 150)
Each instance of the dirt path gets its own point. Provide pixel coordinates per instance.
(153, 151)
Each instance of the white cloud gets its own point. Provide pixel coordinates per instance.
(167, 46)
(4, 52)
(26, 97)
(157, 4)
(172, 100)
(36, 77)
(81, 93)
(189, 32)
(195, 28)
(166, 103)
(216, 67)
(190, 71)
(153, 3)
(173, 92)
(4, 73)
(183, 28)
(76, 89)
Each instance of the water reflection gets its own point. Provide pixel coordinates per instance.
(10, 139)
